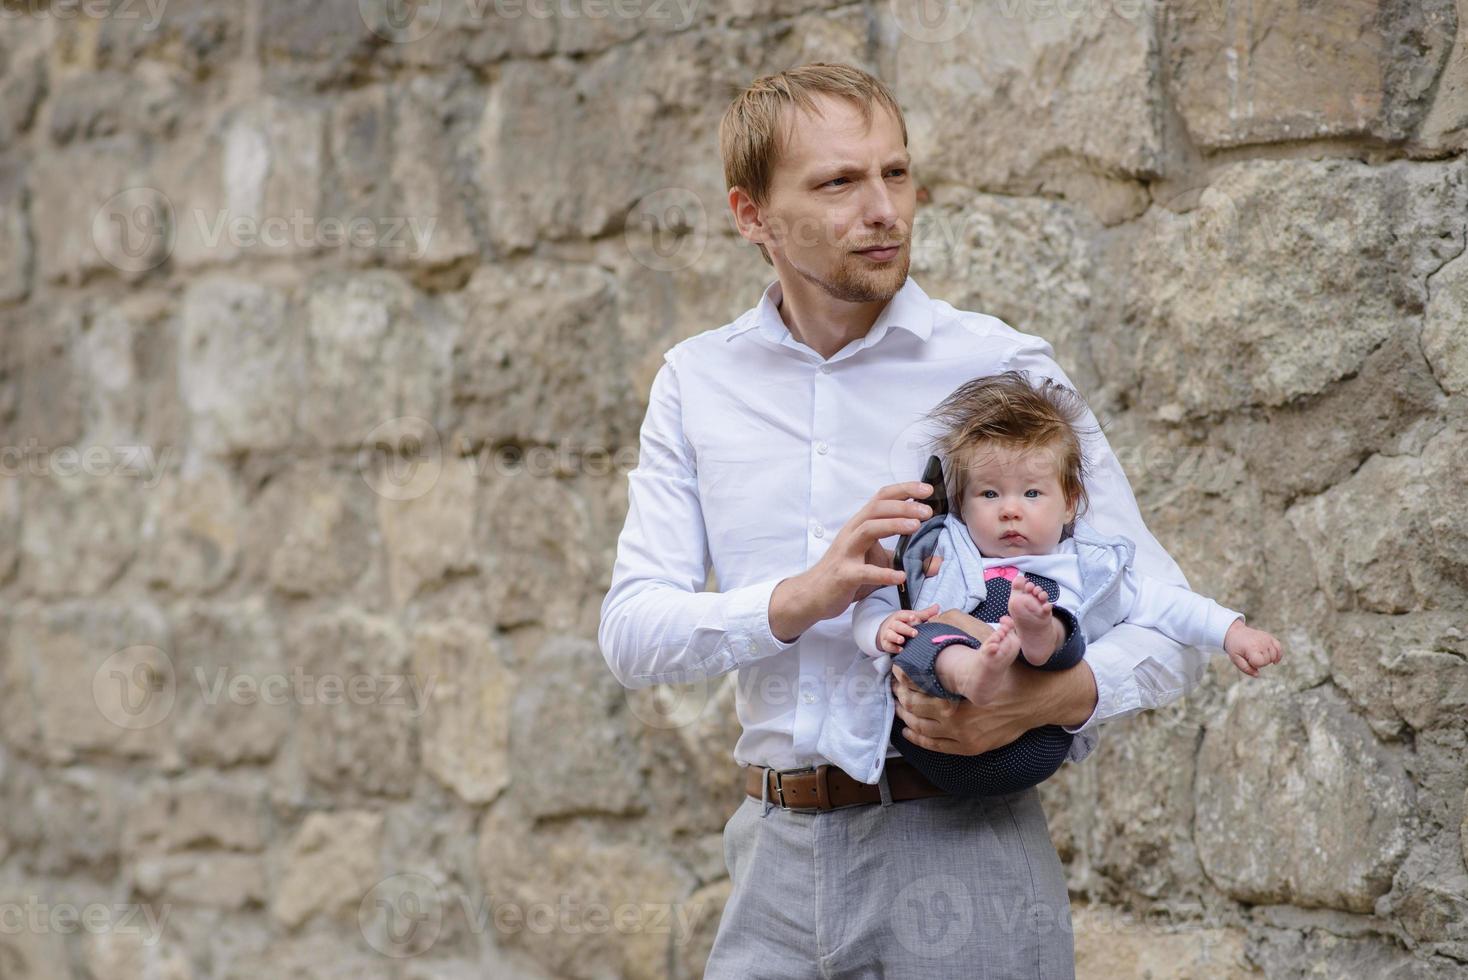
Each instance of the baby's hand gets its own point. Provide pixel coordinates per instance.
(1249, 648)
(896, 628)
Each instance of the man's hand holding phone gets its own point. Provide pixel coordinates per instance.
(855, 565)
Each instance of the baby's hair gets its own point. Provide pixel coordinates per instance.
(1009, 410)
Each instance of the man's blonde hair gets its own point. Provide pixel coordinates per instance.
(753, 130)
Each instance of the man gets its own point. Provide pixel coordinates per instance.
(763, 442)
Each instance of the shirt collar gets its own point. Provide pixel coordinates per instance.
(909, 309)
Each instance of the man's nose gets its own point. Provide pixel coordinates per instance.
(881, 209)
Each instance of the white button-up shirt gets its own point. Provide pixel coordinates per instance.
(755, 451)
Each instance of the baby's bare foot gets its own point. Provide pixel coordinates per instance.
(981, 670)
(1040, 633)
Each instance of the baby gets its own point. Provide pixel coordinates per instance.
(1014, 554)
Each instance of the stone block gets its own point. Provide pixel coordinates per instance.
(359, 703)
(1283, 279)
(376, 351)
(240, 373)
(1381, 542)
(236, 698)
(571, 746)
(1304, 762)
(1015, 95)
(467, 719)
(329, 866)
(1249, 73)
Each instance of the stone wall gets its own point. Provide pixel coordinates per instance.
(327, 330)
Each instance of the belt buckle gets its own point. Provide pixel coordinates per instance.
(780, 790)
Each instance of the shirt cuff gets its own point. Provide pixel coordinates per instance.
(1219, 620)
(748, 623)
(1114, 696)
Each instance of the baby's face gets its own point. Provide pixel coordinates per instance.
(1013, 504)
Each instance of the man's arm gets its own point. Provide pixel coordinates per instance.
(656, 628)
(1135, 668)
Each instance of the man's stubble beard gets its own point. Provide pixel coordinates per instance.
(852, 284)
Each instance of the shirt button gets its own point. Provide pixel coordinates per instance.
(821, 448)
(818, 531)
(808, 698)
(825, 369)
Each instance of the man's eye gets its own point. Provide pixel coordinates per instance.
(833, 181)
(898, 171)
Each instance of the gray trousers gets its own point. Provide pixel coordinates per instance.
(929, 888)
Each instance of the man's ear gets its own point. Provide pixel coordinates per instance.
(747, 217)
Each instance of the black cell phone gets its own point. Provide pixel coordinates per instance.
(913, 550)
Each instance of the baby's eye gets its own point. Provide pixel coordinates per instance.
(1032, 493)
(989, 494)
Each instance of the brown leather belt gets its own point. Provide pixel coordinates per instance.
(828, 787)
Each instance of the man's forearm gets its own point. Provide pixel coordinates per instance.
(790, 609)
(1062, 697)
(1075, 695)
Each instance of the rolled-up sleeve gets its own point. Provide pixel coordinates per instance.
(1135, 668)
(656, 627)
